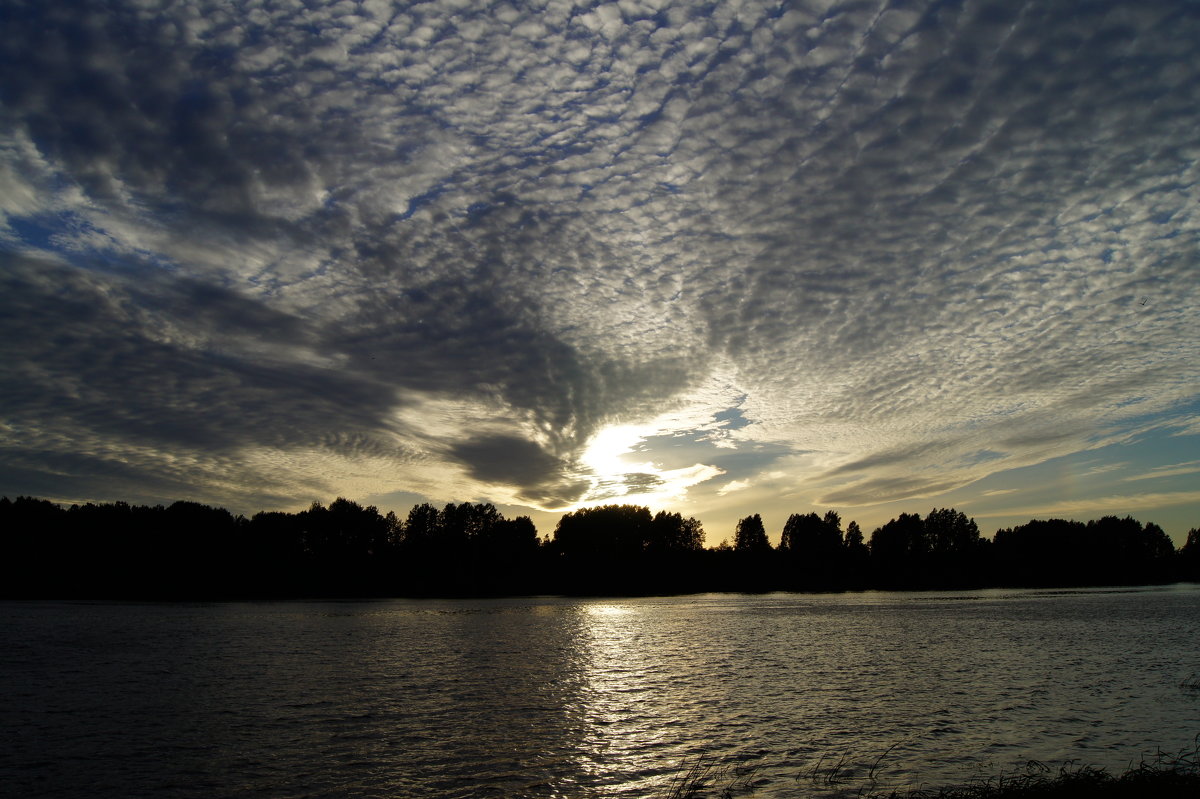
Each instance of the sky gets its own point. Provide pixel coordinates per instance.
(718, 258)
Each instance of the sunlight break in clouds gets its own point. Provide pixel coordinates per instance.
(614, 479)
(264, 253)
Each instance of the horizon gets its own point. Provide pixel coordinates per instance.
(709, 542)
(721, 260)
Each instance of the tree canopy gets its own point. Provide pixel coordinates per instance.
(188, 549)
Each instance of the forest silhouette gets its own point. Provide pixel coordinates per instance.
(188, 550)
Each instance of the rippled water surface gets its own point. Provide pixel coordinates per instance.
(543, 697)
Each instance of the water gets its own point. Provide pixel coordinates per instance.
(548, 697)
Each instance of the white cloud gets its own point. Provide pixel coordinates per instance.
(732, 486)
(1173, 470)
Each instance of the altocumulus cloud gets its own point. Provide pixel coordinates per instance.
(257, 252)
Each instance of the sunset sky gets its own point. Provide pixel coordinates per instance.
(720, 258)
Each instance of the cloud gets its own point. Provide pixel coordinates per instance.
(1104, 468)
(508, 460)
(733, 485)
(1172, 470)
(904, 246)
(131, 384)
(1113, 504)
(886, 489)
(1186, 427)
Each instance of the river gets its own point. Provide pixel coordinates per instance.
(553, 697)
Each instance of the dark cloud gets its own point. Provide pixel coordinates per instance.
(153, 382)
(125, 99)
(508, 460)
(889, 458)
(639, 482)
(459, 242)
(170, 364)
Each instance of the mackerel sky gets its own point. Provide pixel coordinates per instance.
(715, 257)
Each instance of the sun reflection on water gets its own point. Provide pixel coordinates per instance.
(631, 741)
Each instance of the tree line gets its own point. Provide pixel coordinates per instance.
(192, 550)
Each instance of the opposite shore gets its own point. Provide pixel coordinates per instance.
(192, 551)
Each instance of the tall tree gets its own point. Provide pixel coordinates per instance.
(950, 532)
(421, 529)
(857, 557)
(1189, 555)
(751, 536)
(810, 537)
(671, 532)
(854, 537)
(901, 539)
(606, 531)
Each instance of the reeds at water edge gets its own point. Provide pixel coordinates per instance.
(1166, 775)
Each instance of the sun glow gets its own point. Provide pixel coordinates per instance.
(613, 477)
(606, 451)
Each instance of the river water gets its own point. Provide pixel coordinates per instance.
(544, 697)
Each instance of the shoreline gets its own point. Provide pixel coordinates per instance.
(1165, 776)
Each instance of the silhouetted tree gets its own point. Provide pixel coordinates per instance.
(1109, 550)
(463, 526)
(833, 521)
(420, 535)
(751, 564)
(357, 533)
(857, 558)
(1124, 551)
(898, 551)
(187, 549)
(274, 546)
(955, 550)
(610, 531)
(854, 538)
(466, 548)
(1189, 556)
(672, 533)
(900, 540)
(504, 553)
(195, 548)
(513, 538)
(812, 548)
(41, 549)
(1041, 552)
(129, 550)
(810, 537)
(601, 549)
(751, 536)
(951, 532)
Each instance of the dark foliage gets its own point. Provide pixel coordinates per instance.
(622, 549)
(943, 550)
(751, 536)
(1165, 777)
(1189, 556)
(1107, 551)
(190, 550)
(814, 551)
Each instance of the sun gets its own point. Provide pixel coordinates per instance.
(605, 452)
(612, 477)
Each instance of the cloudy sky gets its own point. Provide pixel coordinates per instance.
(714, 257)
